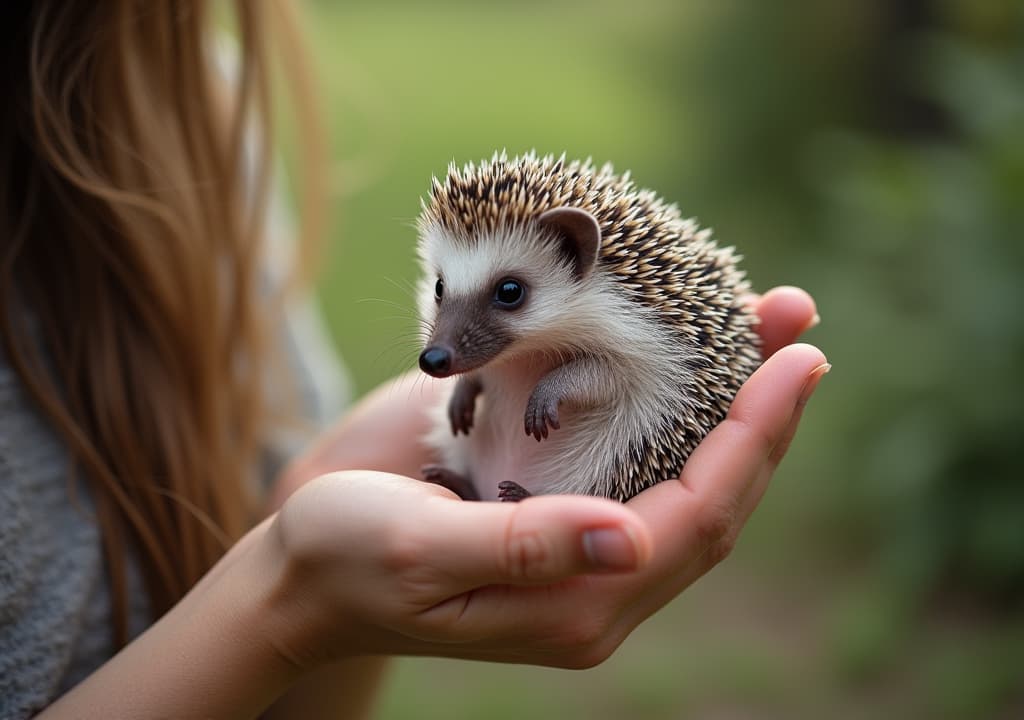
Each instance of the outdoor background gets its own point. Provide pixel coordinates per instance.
(869, 151)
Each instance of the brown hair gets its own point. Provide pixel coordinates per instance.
(131, 298)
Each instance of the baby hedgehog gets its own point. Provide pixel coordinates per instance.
(597, 335)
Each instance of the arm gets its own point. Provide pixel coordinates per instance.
(344, 689)
(214, 655)
(360, 563)
(211, 656)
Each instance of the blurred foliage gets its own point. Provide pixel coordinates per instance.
(872, 152)
(932, 228)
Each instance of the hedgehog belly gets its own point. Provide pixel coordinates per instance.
(613, 449)
(498, 448)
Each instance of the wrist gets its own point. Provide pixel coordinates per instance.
(247, 587)
(295, 618)
(216, 653)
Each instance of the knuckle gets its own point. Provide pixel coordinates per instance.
(720, 550)
(717, 532)
(714, 523)
(588, 632)
(763, 437)
(591, 656)
(414, 581)
(402, 551)
(587, 641)
(529, 555)
(581, 632)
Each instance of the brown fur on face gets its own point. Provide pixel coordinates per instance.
(472, 330)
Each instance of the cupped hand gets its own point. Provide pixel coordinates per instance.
(376, 563)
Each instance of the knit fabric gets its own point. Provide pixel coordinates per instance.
(54, 601)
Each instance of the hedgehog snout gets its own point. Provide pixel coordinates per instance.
(436, 360)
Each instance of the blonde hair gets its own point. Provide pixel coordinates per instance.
(130, 266)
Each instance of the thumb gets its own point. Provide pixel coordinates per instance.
(537, 541)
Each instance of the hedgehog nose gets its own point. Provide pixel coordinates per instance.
(436, 361)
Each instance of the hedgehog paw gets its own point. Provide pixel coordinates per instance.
(509, 491)
(462, 404)
(458, 484)
(541, 413)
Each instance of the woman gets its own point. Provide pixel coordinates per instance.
(144, 378)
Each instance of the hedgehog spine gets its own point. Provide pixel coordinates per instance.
(650, 343)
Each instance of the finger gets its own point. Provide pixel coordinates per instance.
(782, 446)
(539, 540)
(785, 313)
(705, 506)
(724, 462)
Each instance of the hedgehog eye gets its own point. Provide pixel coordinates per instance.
(509, 294)
(438, 289)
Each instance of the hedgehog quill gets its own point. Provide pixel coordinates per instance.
(596, 335)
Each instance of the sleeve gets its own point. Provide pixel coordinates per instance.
(50, 563)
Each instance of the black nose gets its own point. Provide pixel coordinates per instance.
(436, 361)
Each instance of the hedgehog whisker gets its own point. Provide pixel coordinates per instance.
(405, 286)
(407, 312)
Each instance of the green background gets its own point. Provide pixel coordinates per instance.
(871, 152)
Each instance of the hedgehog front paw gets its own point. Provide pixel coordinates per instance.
(458, 484)
(509, 491)
(541, 412)
(462, 404)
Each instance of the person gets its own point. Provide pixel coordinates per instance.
(146, 380)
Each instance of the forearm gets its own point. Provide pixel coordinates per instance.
(345, 689)
(212, 656)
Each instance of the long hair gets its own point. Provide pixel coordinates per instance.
(132, 302)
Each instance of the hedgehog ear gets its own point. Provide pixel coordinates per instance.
(580, 234)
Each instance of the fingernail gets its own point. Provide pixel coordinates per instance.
(610, 548)
(812, 382)
(815, 321)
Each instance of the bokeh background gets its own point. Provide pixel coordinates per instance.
(871, 151)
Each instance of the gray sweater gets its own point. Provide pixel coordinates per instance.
(54, 603)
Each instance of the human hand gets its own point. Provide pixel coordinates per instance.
(381, 564)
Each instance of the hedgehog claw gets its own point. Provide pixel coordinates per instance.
(458, 484)
(462, 404)
(509, 491)
(541, 412)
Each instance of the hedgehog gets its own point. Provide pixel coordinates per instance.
(594, 334)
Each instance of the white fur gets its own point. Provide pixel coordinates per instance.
(639, 377)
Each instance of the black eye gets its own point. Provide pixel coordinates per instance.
(438, 289)
(509, 294)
